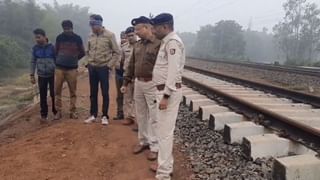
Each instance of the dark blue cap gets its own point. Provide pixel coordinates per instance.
(140, 20)
(129, 30)
(96, 17)
(163, 18)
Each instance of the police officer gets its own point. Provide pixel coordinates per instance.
(167, 75)
(127, 48)
(140, 66)
(119, 78)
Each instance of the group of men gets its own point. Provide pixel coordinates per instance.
(55, 65)
(155, 69)
(148, 74)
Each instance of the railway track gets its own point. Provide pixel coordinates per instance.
(296, 114)
(310, 71)
(266, 121)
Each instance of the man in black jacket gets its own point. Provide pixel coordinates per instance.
(69, 49)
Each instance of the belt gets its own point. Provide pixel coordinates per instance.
(160, 87)
(144, 79)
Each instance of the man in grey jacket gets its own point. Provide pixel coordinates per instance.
(101, 53)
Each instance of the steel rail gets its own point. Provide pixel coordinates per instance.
(281, 68)
(294, 95)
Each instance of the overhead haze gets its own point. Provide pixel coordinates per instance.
(189, 15)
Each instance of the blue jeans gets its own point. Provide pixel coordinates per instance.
(99, 75)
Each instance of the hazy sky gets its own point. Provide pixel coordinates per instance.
(189, 14)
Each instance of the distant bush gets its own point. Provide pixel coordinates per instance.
(12, 55)
(317, 64)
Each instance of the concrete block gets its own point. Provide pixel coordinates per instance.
(189, 92)
(217, 121)
(234, 132)
(285, 106)
(187, 98)
(196, 103)
(266, 145)
(311, 121)
(300, 167)
(251, 95)
(206, 111)
(299, 149)
(298, 113)
(268, 100)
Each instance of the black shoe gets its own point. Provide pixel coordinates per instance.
(119, 117)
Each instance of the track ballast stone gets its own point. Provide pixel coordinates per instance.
(210, 157)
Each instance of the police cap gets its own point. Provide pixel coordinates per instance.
(140, 20)
(129, 30)
(163, 18)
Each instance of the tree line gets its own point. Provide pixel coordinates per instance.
(18, 18)
(294, 41)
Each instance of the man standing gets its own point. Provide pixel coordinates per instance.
(140, 66)
(119, 78)
(43, 60)
(102, 53)
(167, 75)
(69, 49)
(127, 49)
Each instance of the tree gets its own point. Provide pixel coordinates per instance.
(18, 18)
(228, 40)
(298, 34)
(204, 42)
(260, 46)
(12, 55)
(224, 40)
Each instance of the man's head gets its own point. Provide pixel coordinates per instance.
(142, 26)
(131, 35)
(40, 36)
(67, 26)
(163, 24)
(123, 37)
(96, 23)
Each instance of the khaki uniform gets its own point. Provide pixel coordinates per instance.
(129, 109)
(140, 67)
(167, 75)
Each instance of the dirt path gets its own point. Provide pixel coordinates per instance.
(71, 150)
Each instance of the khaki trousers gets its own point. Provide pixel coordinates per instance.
(145, 103)
(166, 121)
(70, 76)
(129, 108)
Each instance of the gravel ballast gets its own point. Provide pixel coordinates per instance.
(210, 157)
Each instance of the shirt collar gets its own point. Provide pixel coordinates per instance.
(168, 36)
(151, 40)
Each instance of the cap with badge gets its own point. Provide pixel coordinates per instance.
(140, 20)
(163, 18)
(129, 30)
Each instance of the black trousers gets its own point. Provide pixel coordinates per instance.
(99, 75)
(43, 83)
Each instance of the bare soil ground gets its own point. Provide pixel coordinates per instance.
(70, 149)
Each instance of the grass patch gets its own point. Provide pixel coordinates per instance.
(23, 80)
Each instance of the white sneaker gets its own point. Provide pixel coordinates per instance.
(90, 119)
(104, 120)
